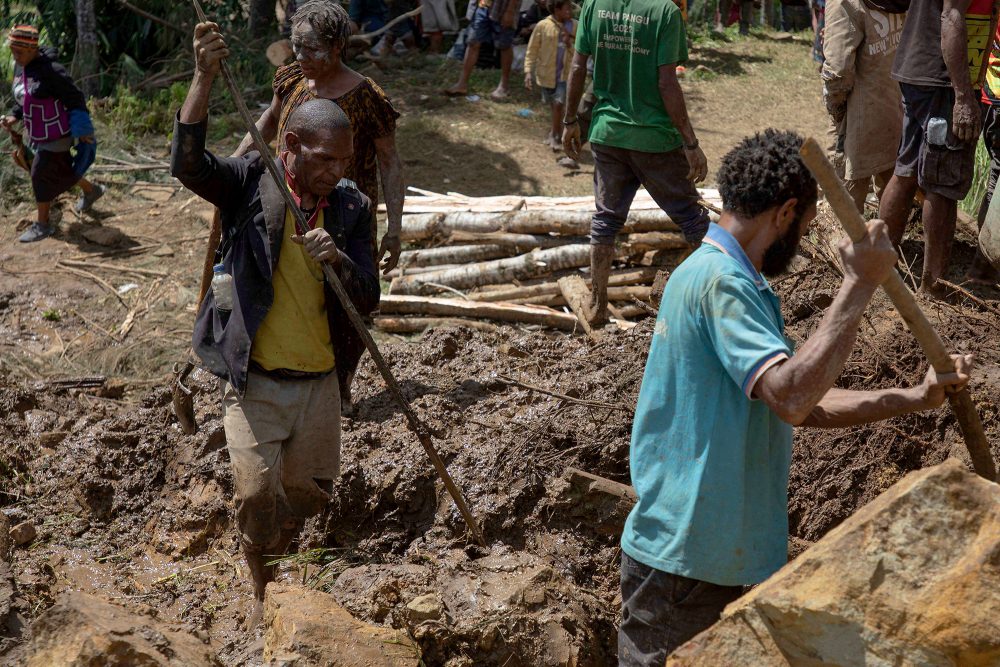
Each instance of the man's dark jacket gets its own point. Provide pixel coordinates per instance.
(253, 221)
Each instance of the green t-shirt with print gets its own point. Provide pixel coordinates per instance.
(629, 40)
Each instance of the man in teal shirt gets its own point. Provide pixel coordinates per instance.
(639, 132)
(712, 437)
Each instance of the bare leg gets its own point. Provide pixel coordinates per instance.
(939, 231)
(468, 64)
(858, 189)
(895, 205)
(437, 40)
(557, 114)
(43, 212)
(506, 60)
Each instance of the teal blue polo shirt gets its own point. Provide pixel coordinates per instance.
(710, 464)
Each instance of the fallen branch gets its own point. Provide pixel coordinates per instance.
(114, 267)
(392, 304)
(422, 226)
(366, 38)
(570, 399)
(412, 325)
(529, 265)
(461, 254)
(516, 292)
(100, 281)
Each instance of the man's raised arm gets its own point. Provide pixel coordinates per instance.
(211, 178)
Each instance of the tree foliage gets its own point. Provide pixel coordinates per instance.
(131, 46)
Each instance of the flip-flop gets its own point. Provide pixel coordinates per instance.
(448, 92)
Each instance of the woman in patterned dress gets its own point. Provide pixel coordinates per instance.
(320, 33)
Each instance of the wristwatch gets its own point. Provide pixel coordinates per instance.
(691, 147)
(567, 123)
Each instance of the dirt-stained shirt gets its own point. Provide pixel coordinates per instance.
(919, 60)
(367, 106)
(860, 44)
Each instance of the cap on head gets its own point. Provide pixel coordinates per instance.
(24, 35)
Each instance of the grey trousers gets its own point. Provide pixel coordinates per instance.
(661, 611)
(619, 172)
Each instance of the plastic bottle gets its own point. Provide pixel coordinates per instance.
(222, 288)
(937, 131)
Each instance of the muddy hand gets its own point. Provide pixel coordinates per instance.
(320, 246)
(571, 140)
(937, 386)
(388, 252)
(871, 260)
(209, 48)
(697, 164)
(966, 119)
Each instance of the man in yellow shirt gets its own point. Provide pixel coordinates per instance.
(274, 339)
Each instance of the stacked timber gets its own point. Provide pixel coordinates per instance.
(522, 261)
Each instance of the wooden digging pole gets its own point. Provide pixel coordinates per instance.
(302, 227)
(905, 302)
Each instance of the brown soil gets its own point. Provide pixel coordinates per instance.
(131, 509)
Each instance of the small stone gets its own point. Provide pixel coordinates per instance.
(534, 596)
(425, 608)
(23, 533)
(163, 251)
(51, 438)
(104, 236)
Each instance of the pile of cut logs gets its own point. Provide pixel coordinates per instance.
(521, 260)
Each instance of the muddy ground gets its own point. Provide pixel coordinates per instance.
(131, 509)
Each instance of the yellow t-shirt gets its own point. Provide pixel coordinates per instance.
(295, 335)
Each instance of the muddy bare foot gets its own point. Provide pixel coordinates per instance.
(455, 91)
(499, 94)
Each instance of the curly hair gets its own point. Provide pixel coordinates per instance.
(328, 19)
(764, 171)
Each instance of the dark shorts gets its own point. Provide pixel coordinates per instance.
(619, 172)
(485, 29)
(945, 170)
(52, 174)
(662, 611)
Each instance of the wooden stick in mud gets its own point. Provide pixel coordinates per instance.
(961, 403)
(498, 312)
(302, 227)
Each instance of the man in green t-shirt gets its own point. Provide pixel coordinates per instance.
(640, 133)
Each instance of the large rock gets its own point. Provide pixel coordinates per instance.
(912, 579)
(82, 630)
(307, 627)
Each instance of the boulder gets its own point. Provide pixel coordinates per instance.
(308, 627)
(81, 630)
(912, 579)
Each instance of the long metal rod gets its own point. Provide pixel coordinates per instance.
(302, 226)
(906, 304)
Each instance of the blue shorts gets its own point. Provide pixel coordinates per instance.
(555, 95)
(485, 29)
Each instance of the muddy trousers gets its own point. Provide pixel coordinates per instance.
(661, 611)
(619, 172)
(859, 188)
(283, 438)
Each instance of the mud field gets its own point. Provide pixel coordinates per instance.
(129, 508)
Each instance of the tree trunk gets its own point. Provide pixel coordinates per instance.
(422, 226)
(514, 292)
(412, 325)
(501, 312)
(262, 17)
(576, 293)
(461, 254)
(86, 60)
(529, 265)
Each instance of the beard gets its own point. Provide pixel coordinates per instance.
(779, 254)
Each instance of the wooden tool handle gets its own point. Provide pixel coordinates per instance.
(904, 301)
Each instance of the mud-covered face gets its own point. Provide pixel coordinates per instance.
(314, 55)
